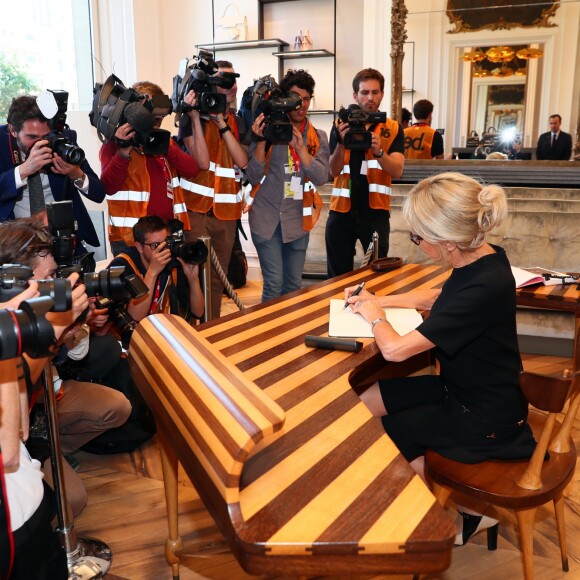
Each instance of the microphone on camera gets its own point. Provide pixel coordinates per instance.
(139, 117)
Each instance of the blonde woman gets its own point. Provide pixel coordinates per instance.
(474, 409)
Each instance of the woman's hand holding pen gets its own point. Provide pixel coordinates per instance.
(363, 303)
(362, 295)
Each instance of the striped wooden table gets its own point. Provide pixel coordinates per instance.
(328, 493)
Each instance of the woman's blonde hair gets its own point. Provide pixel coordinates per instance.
(451, 207)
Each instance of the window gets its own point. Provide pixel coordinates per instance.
(46, 44)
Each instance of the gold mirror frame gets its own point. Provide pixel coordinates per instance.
(471, 16)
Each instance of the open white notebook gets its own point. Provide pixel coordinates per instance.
(347, 324)
(529, 276)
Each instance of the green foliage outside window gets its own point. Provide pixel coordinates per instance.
(14, 82)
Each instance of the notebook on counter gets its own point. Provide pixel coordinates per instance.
(347, 324)
(531, 276)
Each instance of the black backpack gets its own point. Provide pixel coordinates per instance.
(238, 268)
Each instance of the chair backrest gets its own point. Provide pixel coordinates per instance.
(208, 408)
(549, 394)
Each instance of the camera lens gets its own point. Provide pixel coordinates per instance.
(107, 283)
(26, 330)
(59, 290)
(190, 252)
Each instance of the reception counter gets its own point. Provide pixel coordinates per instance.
(541, 230)
(529, 174)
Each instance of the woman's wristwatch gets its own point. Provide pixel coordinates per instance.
(376, 321)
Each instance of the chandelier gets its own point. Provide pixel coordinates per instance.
(527, 53)
(500, 55)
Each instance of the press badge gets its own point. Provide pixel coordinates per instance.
(364, 167)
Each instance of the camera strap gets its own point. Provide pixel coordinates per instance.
(15, 152)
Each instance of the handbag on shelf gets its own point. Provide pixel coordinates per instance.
(232, 25)
(472, 140)
(490, 137)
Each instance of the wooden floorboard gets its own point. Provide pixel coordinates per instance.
(126, 509)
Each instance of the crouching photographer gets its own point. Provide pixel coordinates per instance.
(169, 267)
(30, 546)
(84, 410)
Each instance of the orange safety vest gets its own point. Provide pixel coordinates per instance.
(418, 141)
(216, 187)
(379, 180)
(311, 200)
(163, 306)
(131, 201)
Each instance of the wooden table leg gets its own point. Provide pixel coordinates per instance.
(174, 542)
(561, 441)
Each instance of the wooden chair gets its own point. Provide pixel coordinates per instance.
(523, 486)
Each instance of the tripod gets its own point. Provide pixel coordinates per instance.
(87, 558)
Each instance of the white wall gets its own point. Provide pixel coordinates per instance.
(166, 31)
(437, 68)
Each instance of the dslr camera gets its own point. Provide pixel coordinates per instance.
(59, 144)
(190, 252)
(119, 288)
(62, 227)
(26, 330)
(114, 104)
(357, 137)
(200, 76)
(14, 280)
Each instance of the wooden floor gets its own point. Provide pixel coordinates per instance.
(126, 510)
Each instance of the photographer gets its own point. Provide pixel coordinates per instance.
(84, 410)
(140, 184)
(173, 287)
(214, 198)
(26, 158)
(361, 197)
(286, 204)
(421, 141)
(31, 548)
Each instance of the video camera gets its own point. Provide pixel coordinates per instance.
(53, 105)
(200, 76)
(14, 280)
(268, 98)
(357, 137)
(190, 252)
(114, 104)
(26, 330)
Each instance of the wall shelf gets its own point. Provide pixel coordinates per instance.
(245, 44)
(314, 53)
(283, 54)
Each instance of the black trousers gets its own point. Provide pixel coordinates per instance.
(38, 554)
(344, 229)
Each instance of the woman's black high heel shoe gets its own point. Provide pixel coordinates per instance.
(473, 524)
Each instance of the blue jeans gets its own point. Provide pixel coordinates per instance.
(282, 263)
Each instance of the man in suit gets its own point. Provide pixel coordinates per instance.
(26, 155)
(555, 145)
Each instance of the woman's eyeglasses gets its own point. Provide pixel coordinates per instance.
(416, 239)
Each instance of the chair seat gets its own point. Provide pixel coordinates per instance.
(494, 481)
